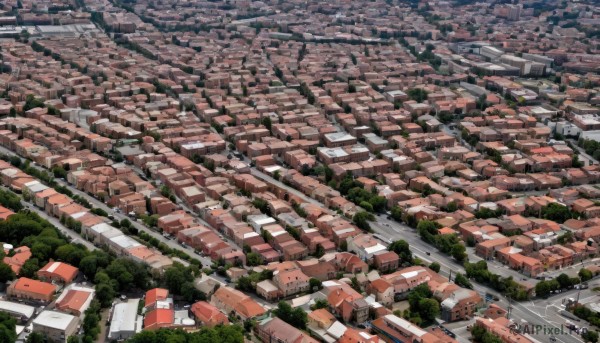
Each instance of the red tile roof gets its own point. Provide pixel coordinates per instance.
(73, 301)
(208, 314)
(28, 285)
(22, 254)
(157, 318)
(154, 295)
(63, 271)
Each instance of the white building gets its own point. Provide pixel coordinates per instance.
(18, 311)
(125, 321)
(365, 246)
(56, 325)
(259, 221)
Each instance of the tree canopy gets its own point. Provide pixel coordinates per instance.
(295, 317)
(401, 248)
(556, 212)
(220, 333)
(7, 328)
(362, 218)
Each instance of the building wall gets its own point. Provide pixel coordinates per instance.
(57, 335)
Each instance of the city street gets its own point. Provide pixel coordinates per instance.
(75, 237)
(530, 311)
(583, 156)
(171, 243)
(533, 312)
(72, 235)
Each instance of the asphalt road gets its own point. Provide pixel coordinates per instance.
(118, 216)
(74, 236)
(527, 311)
(583, 155)
(387, 228)
(171, 243)
(257, 173)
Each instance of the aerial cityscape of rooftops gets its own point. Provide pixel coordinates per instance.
(300, 171)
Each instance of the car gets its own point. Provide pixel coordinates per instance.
(428, 253)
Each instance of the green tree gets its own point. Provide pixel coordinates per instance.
(417, 94)
(378, 203)
(262, 205)
(253, 259)
(452, 206)
(59, 172)
(485, 213)
(219, 333)
(266, 121)
(36, 337)
(477, 333)
(427, 230)
(459, 252)
(315, 284)
(416, 294)
(564, 281)
(7, 328)
(429, 309)
(362, 218)
(366, 205)
(585, 274)
(435, 267)
(244, 283)
(175, 277)
(462, 281)
(319, 251)
(105, 294)
(401, 248)
(320, 303)
(295, 317)
(6, 273)
(489, 337)
(542, 289)
(99, 212)
(125, 223)
(30, 268)
(396, 213)
(590, 336)
(556, 212)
